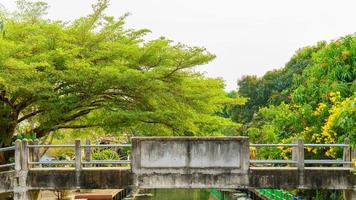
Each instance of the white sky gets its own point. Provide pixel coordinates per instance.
(248, 36)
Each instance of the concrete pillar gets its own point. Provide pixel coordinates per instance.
(24, 155)
(78, 156)
(21, 170)
(347, 154)
(87, 152)
(78, 162)
(353, 153)
(349, 194)
(294, 151)
(353, 157)
(30, 154)
(300, 154)
(17, 155)
(36, 153)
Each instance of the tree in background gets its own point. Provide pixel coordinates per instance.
(272, 88)
(94, 73)
(313, 97)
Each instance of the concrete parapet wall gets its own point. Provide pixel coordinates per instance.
(98, 178)
(187, 162)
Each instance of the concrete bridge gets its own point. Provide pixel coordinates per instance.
(178, 162)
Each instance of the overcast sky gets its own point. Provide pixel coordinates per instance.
(248, 36)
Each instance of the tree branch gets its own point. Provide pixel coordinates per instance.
(60, 123)
(5, 99)
(24, 104)
(78, 114)
(29, 115)
(74, 126)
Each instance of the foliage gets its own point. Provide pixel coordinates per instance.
(94, 73)
(332, 195)
(29, 136)
(313, 97)
(106, 154)
(274, 87)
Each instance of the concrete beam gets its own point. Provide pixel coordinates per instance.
(309, 178)
(64, 178)
(109, 178)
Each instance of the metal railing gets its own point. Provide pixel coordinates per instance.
(298, 148)
(33, 154)
(273, 161)
(30, 155)
(6, 149)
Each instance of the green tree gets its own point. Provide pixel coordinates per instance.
(95, 73)
(321, 106)
(274, 87)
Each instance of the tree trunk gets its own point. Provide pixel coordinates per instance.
(7, 130)
(6, 140)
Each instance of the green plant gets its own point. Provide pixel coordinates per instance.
(29, 136)
(106, 154)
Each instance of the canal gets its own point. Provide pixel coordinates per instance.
(190, 194)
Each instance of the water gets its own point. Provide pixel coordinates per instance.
(190, 194)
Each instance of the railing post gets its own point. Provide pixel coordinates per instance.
(24, 155)
(21, 169)
(295, 151)
(30, 154)
(300, 154)
(17, 155)
(87, 152)
(78, 155)
(353, 157)
(36, 152)
(346, 154)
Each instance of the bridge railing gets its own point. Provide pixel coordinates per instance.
(298, 160)
(88, 151)
(30, 155)
(7, 149)
(27, 155)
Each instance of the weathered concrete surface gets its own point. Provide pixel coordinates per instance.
(309, 178)
(181, 162)
(98, 178)
(192, 180)
(109, 178)
(6, 181)
(190, 162)
(350, 194)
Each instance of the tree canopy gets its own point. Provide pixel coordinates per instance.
(312, 97)
(93, 72)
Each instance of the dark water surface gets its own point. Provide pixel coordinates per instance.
(183, 194)
(175, 194)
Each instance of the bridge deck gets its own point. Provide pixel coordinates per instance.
(120, 177)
